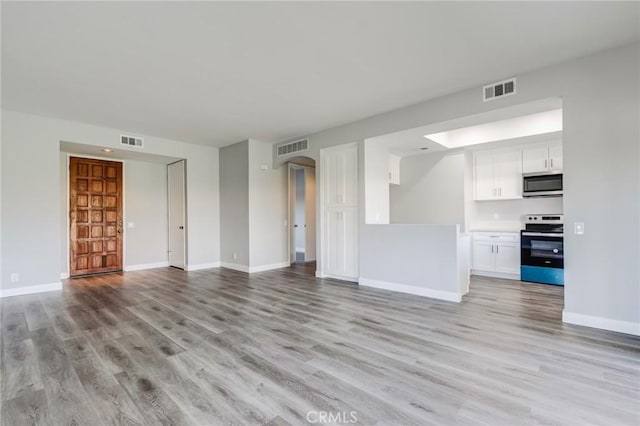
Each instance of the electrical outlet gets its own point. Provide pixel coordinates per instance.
(578, 228)
(235, 256)
(15, 277)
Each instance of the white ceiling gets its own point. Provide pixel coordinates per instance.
(217, 73)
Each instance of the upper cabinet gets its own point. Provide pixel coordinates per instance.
(394, 169)
(497, 175)
(542, 158)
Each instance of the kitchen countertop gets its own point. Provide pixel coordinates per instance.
(514, 230)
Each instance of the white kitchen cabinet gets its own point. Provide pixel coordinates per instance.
(394, 169)
(555, 157)
(497, 175)
(508, 258)
(484, 256)
(496, 254)
(542, 158)
(340, 212)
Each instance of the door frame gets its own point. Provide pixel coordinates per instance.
(184, 215)
(291, 187)
(67, 273)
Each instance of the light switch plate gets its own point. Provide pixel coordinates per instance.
(578, 228)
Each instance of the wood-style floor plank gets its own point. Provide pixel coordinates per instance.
(219, 347)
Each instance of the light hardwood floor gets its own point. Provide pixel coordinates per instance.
(219, 347)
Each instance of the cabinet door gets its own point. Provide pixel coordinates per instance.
(508, 258)
(394, 169)
(350, 175)
(555, 157)
(508, 174)
(341, 239)
(334, 242)
(535, 159)
(349, 217)
(332, 177)
(484, 256)
(483, 177)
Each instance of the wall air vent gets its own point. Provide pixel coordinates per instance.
(291, 147)
(499, 90)
(131, 141)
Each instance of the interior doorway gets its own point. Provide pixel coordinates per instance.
(177, 213)
(95, 216)
(302, 211)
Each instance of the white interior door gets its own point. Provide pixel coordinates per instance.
(310, 213)
(177, 225)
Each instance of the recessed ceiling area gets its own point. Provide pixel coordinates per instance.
(216, 73)
(525, 121)
(512, 128)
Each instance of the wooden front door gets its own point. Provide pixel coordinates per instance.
(95, 216)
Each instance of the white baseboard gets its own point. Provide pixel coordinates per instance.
(254, 269)
(64, 275)
(419, 291)
(201, 266)
(40, 288)
(320, 274)
(235, 267)
(493, 274)
(143, 266)
(602, 323)
(263, 268)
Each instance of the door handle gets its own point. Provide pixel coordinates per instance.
(295, 226)
(545, 163)
(551, 161)
(497, 249)
(492, 249)
(180, 227)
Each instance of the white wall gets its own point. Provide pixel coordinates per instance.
(234, 203)
(254, 208)
(376, 182)
(268, 202)
(601, 162)
(431, 189)
(417, 259)
(31, 188)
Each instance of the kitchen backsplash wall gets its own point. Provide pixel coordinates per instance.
(507, 214)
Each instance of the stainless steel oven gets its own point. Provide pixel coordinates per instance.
(542, 249)
(542, 185)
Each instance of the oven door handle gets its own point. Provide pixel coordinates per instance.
(540, 234)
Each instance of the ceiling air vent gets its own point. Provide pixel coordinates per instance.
(499, 90)
(291, 147)
(131, 141)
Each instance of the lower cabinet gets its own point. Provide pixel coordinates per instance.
(496, 254)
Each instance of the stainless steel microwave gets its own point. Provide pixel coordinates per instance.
(542, 185)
